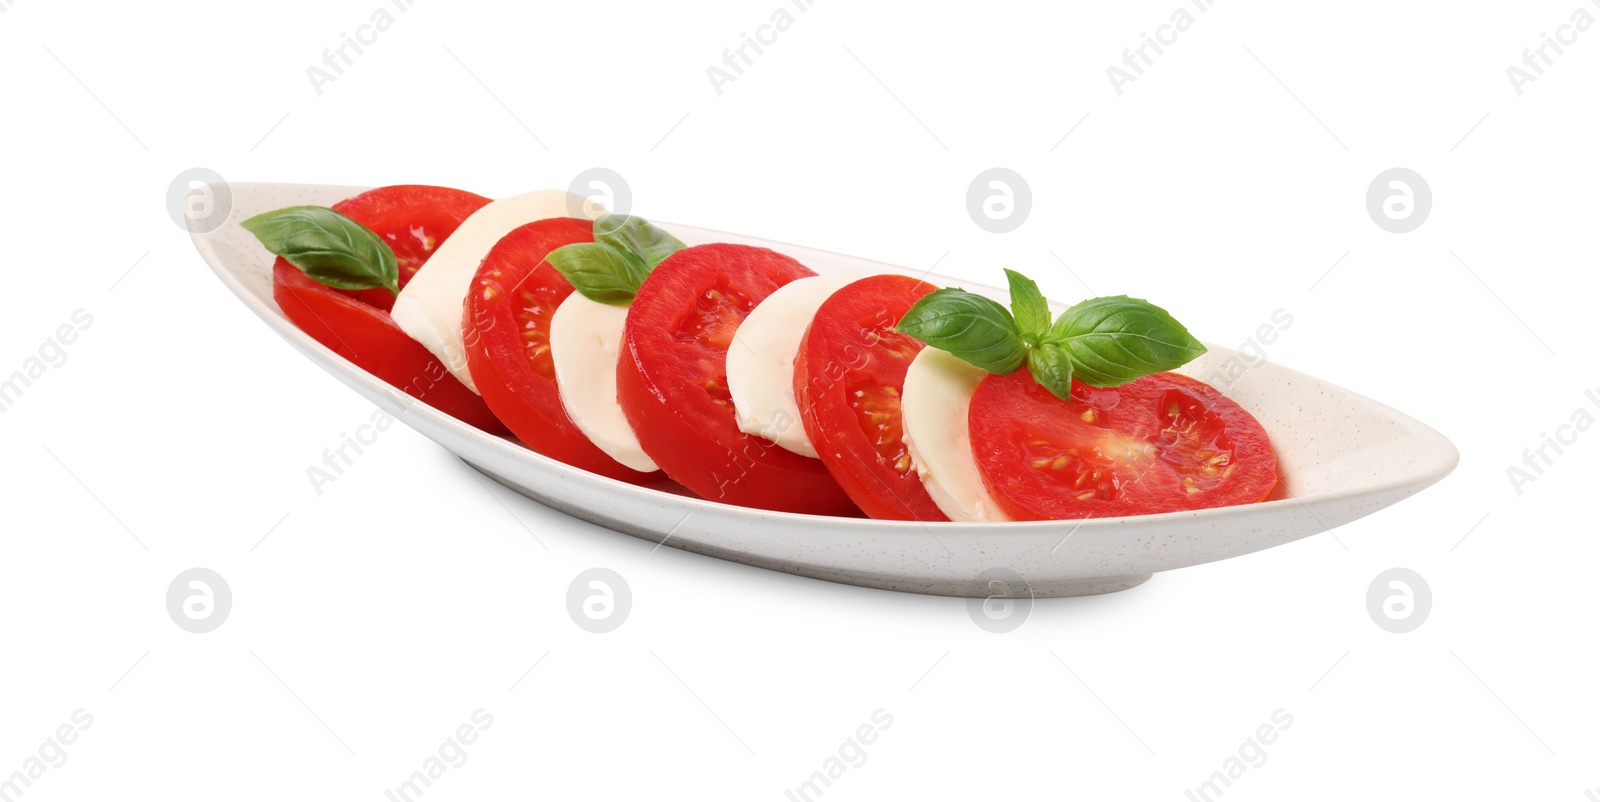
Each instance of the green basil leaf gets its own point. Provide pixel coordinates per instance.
(1117, 339)
(600, 272)
(1029, 307)
(637, 236)
(328, 247)
(970, 326)
(1051, 367)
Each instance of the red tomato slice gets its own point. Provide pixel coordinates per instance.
(361, 331)
(506, 322)
(414, 221)
(1160, 444)
(673, 384)
(847, 382)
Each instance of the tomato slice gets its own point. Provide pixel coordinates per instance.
(357, 326)
(414, 221)
(506, 321)
(1163, 443)
(847, 382)
(673, 383)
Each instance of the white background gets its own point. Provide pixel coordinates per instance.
(373, 620)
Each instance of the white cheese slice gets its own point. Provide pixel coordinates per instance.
(585, 341)
(933, 412)
(429, 308)
(761, 360)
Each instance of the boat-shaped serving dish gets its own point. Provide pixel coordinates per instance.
(1341, 456)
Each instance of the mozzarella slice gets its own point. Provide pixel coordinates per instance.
(933, 412)
(761, 361)
(585, 340)
(429, 309)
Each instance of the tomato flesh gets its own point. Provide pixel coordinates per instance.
(848, 377)
(357, 326)
(1164, 443)
(673, 385)
(506, 327)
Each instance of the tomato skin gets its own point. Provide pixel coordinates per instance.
(363, 332)
(672, 382)
(506, 327)
(1164, 443)
(847, 381)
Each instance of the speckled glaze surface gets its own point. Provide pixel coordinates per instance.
(1341, 456)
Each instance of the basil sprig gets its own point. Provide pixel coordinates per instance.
(1102, 342)
(328, 247)
(611, 269)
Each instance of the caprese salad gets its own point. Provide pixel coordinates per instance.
(745, 377)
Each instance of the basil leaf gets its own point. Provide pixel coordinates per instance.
(328, 247)
(637, 236)
(1051, 367)
(600, 272)
(970, 326)
(1117, 339)
(1029, 307)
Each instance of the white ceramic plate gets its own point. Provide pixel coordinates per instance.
(1341, 456)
